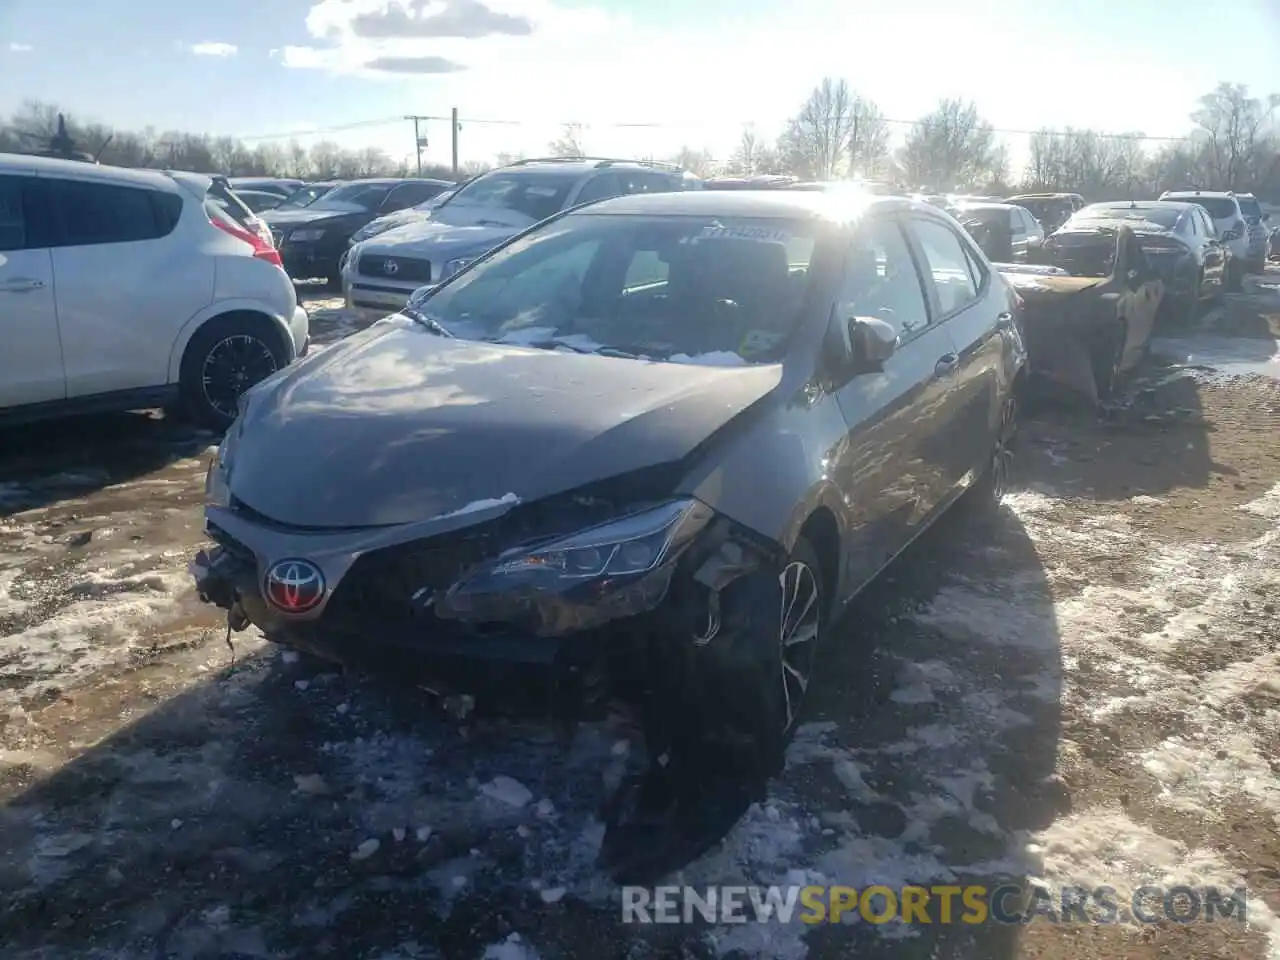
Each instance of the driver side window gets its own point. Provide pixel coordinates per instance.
(881, 280)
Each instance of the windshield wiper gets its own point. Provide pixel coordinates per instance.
(435, 326)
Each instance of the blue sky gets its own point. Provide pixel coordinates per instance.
(261, 67)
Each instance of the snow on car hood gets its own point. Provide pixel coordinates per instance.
(397, 424)
(431, 240)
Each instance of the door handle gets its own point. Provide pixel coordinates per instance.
(21, 285)
(946, 365)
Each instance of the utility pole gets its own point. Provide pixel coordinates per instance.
(420, 141)
(456, 126)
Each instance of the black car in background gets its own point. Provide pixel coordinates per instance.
(309, 193)
(281, 186)
(312, 239)
(1051, 209)
(1178, 239)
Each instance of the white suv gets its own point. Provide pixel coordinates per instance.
(380, 273)
(130, 289)
(1229, 220)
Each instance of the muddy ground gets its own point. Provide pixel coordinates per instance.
(1085, 691)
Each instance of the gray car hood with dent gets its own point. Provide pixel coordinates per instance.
(397, 425)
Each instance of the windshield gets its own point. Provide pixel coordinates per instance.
(1220, 208)
(534, 196)
(698, 289)
(1166, 217)
(1249, 207)
(305, 196)
(365, 195)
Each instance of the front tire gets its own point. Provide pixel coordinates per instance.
(1235, 276)
(754, 675)
(226, 357)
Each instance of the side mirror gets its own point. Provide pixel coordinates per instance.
(872, 341)
(1266, 217)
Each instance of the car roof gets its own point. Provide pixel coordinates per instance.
(789, 204)
(56, 166)
(985, 205)
(1176, 205)
(1212, 194)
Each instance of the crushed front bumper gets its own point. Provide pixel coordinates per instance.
(512, 671)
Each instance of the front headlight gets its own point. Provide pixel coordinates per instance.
(371, 230)
(453, 266)
(217, 482)
(614, 570)
(306, 235)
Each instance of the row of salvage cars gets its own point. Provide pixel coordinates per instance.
(645, 452)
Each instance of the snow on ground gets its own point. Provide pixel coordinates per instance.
(1083, 691)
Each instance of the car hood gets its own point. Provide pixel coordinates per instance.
(1034, 287)
(396, 425)
(436, 241)
(295, 217)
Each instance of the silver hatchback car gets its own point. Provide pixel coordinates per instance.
(645, 450)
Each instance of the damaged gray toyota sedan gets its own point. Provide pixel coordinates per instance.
(644, 452)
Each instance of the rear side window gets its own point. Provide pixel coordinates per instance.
(13, 229)
(91, 214)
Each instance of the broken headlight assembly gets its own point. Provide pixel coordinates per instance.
(582, 580)
(217, 482)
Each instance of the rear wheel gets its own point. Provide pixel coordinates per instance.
(991, 488)
(226, 357)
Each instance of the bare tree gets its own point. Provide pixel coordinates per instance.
(569, 143)
(868, 141)
(949, 149)
(746, 157)
(816, 140)
(1235, 130)
(1099, 166)
(697, 162)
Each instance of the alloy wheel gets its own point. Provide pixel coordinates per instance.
(1002, 456)
(232, 366)
(801, 618)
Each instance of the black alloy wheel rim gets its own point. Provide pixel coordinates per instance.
(232, 366)
(801, 619)
(1002, 456)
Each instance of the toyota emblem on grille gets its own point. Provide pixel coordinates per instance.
(294, 586)
(390, 268)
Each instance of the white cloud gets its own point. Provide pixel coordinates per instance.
(424, 37)
(20, 48)
(212, 48)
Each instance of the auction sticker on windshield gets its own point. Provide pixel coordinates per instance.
(717, 231)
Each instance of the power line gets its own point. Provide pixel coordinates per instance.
(313, 131)
(667, 125)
